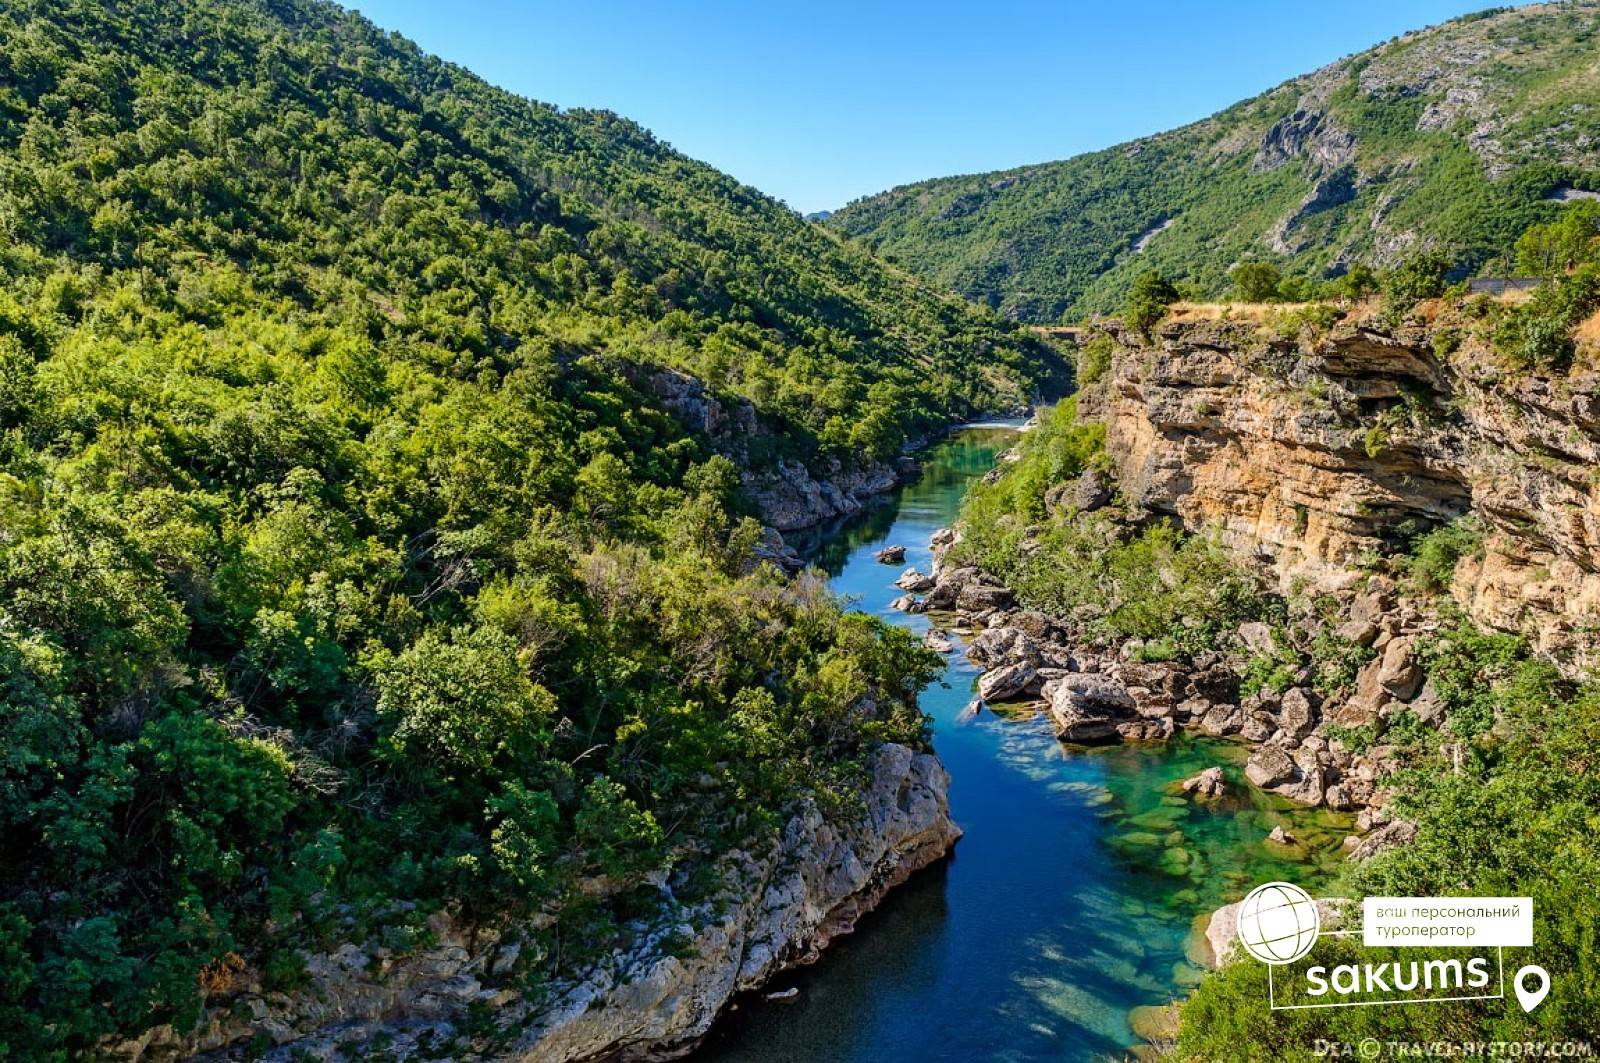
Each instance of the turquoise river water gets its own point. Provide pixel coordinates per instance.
(1072, 896)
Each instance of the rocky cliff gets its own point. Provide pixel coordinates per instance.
(1320, 453)
(778, 906)
(788, 493)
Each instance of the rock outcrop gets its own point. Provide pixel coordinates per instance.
(1312, 454)
(789, 495)
(778, 907)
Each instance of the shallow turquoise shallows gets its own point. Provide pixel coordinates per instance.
(1071, 897)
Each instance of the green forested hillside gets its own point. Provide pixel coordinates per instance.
(341, 564)
(1453, 139)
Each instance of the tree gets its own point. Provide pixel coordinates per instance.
(1148, 300)
(1357, 282)
(1422, 277)
(1562, 245)
(1256, 282)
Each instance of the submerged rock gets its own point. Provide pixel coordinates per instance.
(1206, 786)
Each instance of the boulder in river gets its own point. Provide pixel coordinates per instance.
(1088, 707)
(977, 597)
(936, 641)
(914, 581)
(1206, 786)
(891, 555)
(1007, 681)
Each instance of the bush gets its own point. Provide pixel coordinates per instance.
(1256, 282)
(1148, 301)
(1094, 358)
(1422, 277)
(1434, 555)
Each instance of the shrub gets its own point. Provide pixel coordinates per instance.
(1148, 300)
(1256, 282)
(1434, 555)
(1539, 332)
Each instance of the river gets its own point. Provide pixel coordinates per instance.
(1072, 896)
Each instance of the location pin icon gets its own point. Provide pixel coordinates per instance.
(1531, 998)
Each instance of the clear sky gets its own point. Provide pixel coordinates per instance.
(819, 102)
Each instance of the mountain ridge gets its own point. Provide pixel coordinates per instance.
(1450, 137)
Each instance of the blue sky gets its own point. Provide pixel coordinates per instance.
(818, 103)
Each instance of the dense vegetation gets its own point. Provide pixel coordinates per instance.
(348, 566)
(1275, 179)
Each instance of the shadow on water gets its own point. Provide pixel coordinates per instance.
(1072, 895)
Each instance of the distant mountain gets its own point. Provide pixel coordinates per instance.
(1455, 137)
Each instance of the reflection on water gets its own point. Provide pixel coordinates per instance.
(1071, 897)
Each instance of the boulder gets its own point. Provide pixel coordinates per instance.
(1257, 727)
(1036, 625)
(1270, 766)
(891, 555)
(1398, 671)
(1295, 712)
(1395, 833)
(1006, 681)
(1257, 637)
(907, 603)
(942, 539)
(1002, 645)
(1088, 708)
(1206, 786)
(1222, 720)
(948, 587)
(1428, 706)
(914, 581)
(771, 548)
(970, 712)
(1092, 491)
(1279, 836)
(977, 597)
(1160, 680)
(1145, 730)
(936, 641)
(1357, 632)
(1214, 683)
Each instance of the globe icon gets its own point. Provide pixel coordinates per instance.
(1278, 922)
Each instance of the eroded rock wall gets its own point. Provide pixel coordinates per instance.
(1316, 455)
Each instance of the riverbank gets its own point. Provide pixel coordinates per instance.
(1060, 912)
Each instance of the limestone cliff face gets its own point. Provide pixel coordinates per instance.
(777, 908)
(1314, 455)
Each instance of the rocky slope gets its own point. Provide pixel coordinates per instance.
(1454, 137)
(778, 908)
